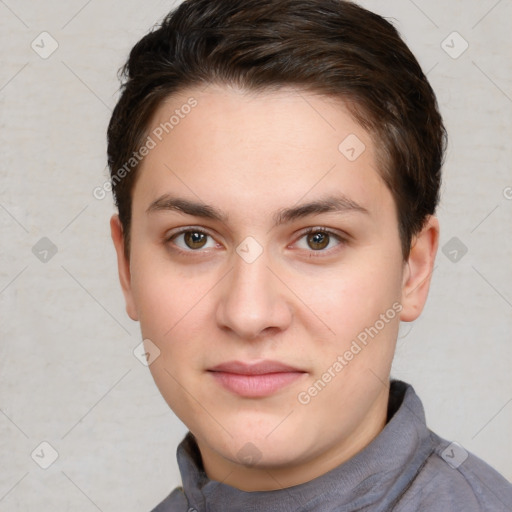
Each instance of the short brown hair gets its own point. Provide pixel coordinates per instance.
(331, 47)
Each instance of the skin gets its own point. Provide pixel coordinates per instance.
(247, 155)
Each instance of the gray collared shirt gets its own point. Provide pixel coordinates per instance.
(405, 468)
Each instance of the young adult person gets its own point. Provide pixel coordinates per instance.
(276, 167)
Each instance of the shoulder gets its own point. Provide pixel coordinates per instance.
(452, 479)
(175, 502)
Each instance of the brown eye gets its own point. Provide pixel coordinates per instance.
(318, 240)
(194, 239)
(190, 241)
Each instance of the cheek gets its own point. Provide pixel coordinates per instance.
(172, 315)
(174, 309)
(351, 296)
(154, 297)
(164, 297)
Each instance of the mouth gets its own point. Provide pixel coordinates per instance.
(255, 380)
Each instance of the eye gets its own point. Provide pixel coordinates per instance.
(319, 240)
(191, 240)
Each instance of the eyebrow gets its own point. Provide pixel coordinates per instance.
(329, 204)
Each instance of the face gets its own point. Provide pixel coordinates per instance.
(261, 234)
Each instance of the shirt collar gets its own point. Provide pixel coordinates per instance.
(376, 476)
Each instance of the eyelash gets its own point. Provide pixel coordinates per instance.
(312, 253)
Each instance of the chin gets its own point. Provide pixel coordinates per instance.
(260, 449)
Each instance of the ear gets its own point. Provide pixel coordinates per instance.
(123, 266)
(418, 270)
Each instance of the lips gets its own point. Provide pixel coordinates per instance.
(255, 380)
(260, 368)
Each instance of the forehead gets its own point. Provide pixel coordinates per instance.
(284, 122)
(223, 142)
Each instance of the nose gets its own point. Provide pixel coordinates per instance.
(253, 301)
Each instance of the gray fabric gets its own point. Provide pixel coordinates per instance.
(405, 468)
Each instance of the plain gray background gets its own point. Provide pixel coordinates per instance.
(68, 374)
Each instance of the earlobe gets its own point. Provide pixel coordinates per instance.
(418, 270)
(123, 265)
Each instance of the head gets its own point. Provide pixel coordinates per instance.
(276, 169)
